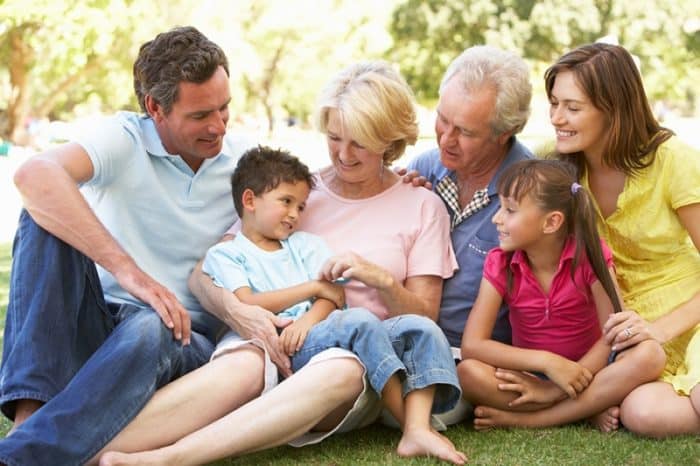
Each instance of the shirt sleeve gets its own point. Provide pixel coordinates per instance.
(431, 252)
(681, 173)
(111, 144)
(225, 264)
(495, 270)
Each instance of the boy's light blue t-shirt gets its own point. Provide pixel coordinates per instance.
(240, 263)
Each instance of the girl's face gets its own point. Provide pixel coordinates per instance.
(274, 215)
(353, 163)
(579, 125)
(519, 224)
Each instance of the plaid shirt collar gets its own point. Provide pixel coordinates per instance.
(448, 190)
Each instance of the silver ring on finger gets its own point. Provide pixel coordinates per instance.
(628, 332)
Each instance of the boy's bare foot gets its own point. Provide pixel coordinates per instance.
(24, 409)
(607, 421)
(428, 442)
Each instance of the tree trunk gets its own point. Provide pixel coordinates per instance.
(21, 57)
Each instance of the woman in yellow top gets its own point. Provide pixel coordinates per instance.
(646, 186)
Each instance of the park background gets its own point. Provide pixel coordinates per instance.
(62, 63)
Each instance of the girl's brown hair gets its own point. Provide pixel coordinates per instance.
(551, 184)
(609, 77)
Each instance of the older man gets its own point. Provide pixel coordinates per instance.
(484, 102)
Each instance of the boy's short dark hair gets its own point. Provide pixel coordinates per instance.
(262, 169)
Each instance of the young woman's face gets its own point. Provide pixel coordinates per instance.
(519, 223)
(353, 162)
(579, 126)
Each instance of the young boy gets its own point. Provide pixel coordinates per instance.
(269, 263)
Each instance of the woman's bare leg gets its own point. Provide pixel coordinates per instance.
(292, 408)
(419, 438)
(656, 410)
(634, 367)
(193, 401)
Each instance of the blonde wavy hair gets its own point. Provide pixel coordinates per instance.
(376, 107)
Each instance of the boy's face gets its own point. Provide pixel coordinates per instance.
(275, 214)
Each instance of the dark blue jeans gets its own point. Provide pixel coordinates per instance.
(94, 364)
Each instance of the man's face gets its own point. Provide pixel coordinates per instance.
(195, 127)
(463, 128)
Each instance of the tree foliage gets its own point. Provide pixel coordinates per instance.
(429, 34)
(65, 58)
(57, 56)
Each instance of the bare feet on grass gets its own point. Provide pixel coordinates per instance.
(428, 442)
(607, 421)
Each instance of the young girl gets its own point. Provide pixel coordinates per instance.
(557, 278)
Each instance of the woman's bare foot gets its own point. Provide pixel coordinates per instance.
(607, 421)
(428, 442)
(150, 458)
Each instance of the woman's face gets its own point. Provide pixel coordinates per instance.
(579, 125)
(353, 163)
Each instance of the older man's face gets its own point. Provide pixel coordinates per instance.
(467, 143)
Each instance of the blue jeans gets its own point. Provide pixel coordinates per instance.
(412, 345)
(94, 364)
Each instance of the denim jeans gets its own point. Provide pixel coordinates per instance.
(94, 364)
(412, 345)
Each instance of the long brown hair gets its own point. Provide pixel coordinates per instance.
(551, 184)
(609, 77)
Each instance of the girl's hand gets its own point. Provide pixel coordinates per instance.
(628, 328)
(531, 389)
(293, 336)
(331, 292)
(569, 375)
(352, 266)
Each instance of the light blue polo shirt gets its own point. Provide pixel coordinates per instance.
(471, 240)
(240, 263)
(162, 213)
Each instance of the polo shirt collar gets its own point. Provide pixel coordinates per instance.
(154, 145)
(519, 261)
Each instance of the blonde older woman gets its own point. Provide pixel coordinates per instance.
(393, 243)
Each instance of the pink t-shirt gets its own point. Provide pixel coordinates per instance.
(405, 230)
(565, 320)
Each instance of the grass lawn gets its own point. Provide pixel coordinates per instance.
(572, 445)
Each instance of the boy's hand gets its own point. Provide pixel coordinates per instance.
(332, 292)
(569, 375)
(293, 336)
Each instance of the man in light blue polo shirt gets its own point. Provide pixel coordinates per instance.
(484, 102)
(99, 314)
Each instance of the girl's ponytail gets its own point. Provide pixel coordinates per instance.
(586, 234)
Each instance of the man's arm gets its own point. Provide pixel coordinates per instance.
(250, 322)
(48, 183)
